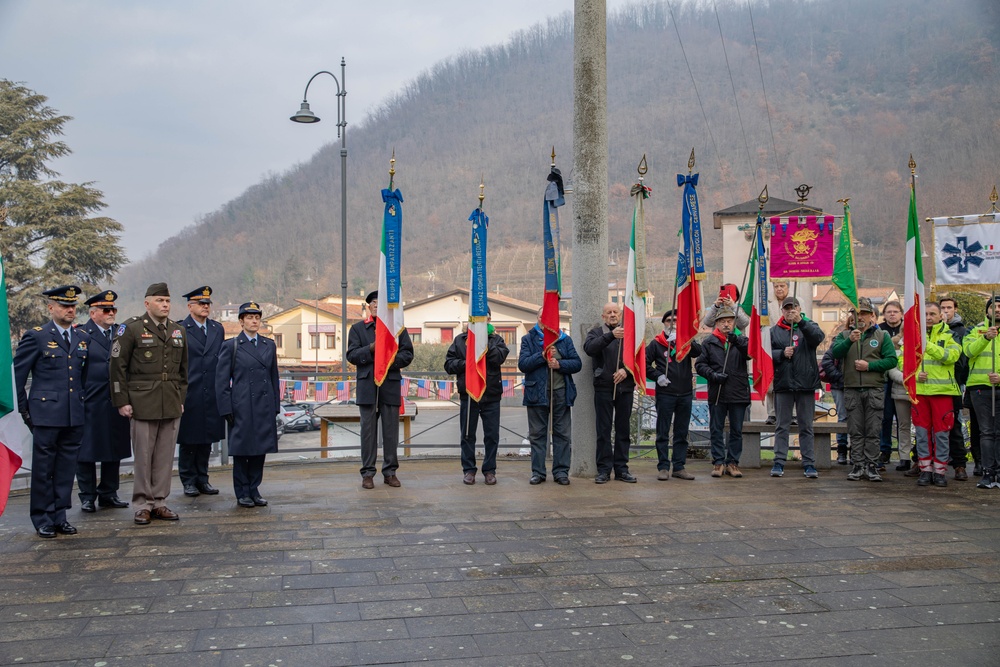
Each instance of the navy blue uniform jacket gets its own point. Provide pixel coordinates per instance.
(58, 374)
(202, 422)
(252, 398)
(106, 434)
(361, 336)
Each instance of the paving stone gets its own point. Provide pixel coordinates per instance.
(180, 603)
(857, 599)
(36, 651)
(328, 655)
(953, 614)
(581, 617)
(53, 629)
(499, 603)
(163, 622)
(412, 608)
(465, 624)
(199, 659)
(253, 637)
(949, 594)
(548, 641)
(329, 580)
(37, 612)
(356, 630)
(144, 641)
(313, 613)
(420, 576)
(400, 650)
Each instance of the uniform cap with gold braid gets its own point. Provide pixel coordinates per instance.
(250, 308)
(201, 294)
(64, 294)
(103, 299)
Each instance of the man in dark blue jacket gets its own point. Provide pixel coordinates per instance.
(674, 397)
(549, 392)
(106, 437)
(794, 340)
(486, 408)
(201, 423)
(55, 356)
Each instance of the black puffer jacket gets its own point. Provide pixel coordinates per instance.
(660, 361)
(801, 372)
(606, 351)
(732, 385)
(496, 354)
(831, 370)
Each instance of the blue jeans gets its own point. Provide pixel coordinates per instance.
(562, 426)
(470, 413)
(677, 409)
(726, 451)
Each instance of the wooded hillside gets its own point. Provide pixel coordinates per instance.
(853, 87)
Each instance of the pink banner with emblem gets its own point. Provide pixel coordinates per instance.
(802, 247)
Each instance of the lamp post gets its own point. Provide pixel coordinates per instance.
(305, 115)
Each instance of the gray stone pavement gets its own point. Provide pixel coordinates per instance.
(709, 572)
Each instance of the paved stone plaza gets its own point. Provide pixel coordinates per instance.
(710, 572)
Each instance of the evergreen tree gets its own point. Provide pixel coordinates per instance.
(48, 232)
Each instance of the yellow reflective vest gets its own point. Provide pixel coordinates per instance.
(939, 363)
(984, 356)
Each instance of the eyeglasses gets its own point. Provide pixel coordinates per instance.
(108, 311)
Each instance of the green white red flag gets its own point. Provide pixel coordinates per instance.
(14, 435)
(914, 318)
(634, 315)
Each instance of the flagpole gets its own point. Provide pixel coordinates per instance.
(913, 189)
(993, 351)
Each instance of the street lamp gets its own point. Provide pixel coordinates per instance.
(305, 115)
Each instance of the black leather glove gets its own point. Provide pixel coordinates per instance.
(230, 420)
(731, 337)
(26, 416)
(721, 377)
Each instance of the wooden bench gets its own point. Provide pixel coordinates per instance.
(349, 413)
(822, 431)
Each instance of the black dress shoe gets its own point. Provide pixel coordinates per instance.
(191, 490)
(87, 506)
(245, 502)
(112, 501)
(208, 489)
(536, 479)
(66, 528)
(564, 481)
(259, 501)
(602, 478)
(46, 531)
(627, 477)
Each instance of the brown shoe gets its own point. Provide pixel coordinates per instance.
(164, 513)
(682, 474)
(914, 471)
(392, 480)
(490, 477)
(960, 474)
(717, 470)
(733, 470)
(367, 483)
(142, 517)
(470, 478)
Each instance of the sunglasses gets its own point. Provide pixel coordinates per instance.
(106, 311)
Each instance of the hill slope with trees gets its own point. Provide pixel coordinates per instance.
(853, 87)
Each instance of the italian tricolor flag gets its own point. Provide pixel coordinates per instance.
(634, 320)
(914, 319)
(14, 435)
(389, 318)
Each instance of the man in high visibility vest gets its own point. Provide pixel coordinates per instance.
(934, 411)
(984, 376)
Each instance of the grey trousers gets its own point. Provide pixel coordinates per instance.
(864, 409)
(804, 403)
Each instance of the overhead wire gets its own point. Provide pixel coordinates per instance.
(767, 107)
(704, 115)
(736, 99)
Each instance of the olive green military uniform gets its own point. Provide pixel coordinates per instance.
(149, 372)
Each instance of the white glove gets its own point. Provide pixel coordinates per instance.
(663, 380)
(672, 336)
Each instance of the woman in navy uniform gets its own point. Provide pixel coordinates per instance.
(201, 423)
(246, 388)
(55, 355)
(106, 438)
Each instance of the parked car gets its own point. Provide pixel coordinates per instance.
(280, 423)
(299, 417)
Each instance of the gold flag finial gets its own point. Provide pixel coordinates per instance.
(913, 165)
(844, 201)
(643, 167)
(691, 162)
(392, 163)
(482, 191)
(993, 201)
(553, 156)
(763, 197)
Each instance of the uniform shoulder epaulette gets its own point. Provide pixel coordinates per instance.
(134, 318)
(37, 329)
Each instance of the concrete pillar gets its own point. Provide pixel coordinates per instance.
(590, 210)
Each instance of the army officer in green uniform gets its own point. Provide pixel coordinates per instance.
(148, 385)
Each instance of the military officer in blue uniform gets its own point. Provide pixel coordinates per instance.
(106, 438)
(247, 391)
(201, 423)
(55, 356)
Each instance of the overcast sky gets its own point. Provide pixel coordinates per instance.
(180, 106)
